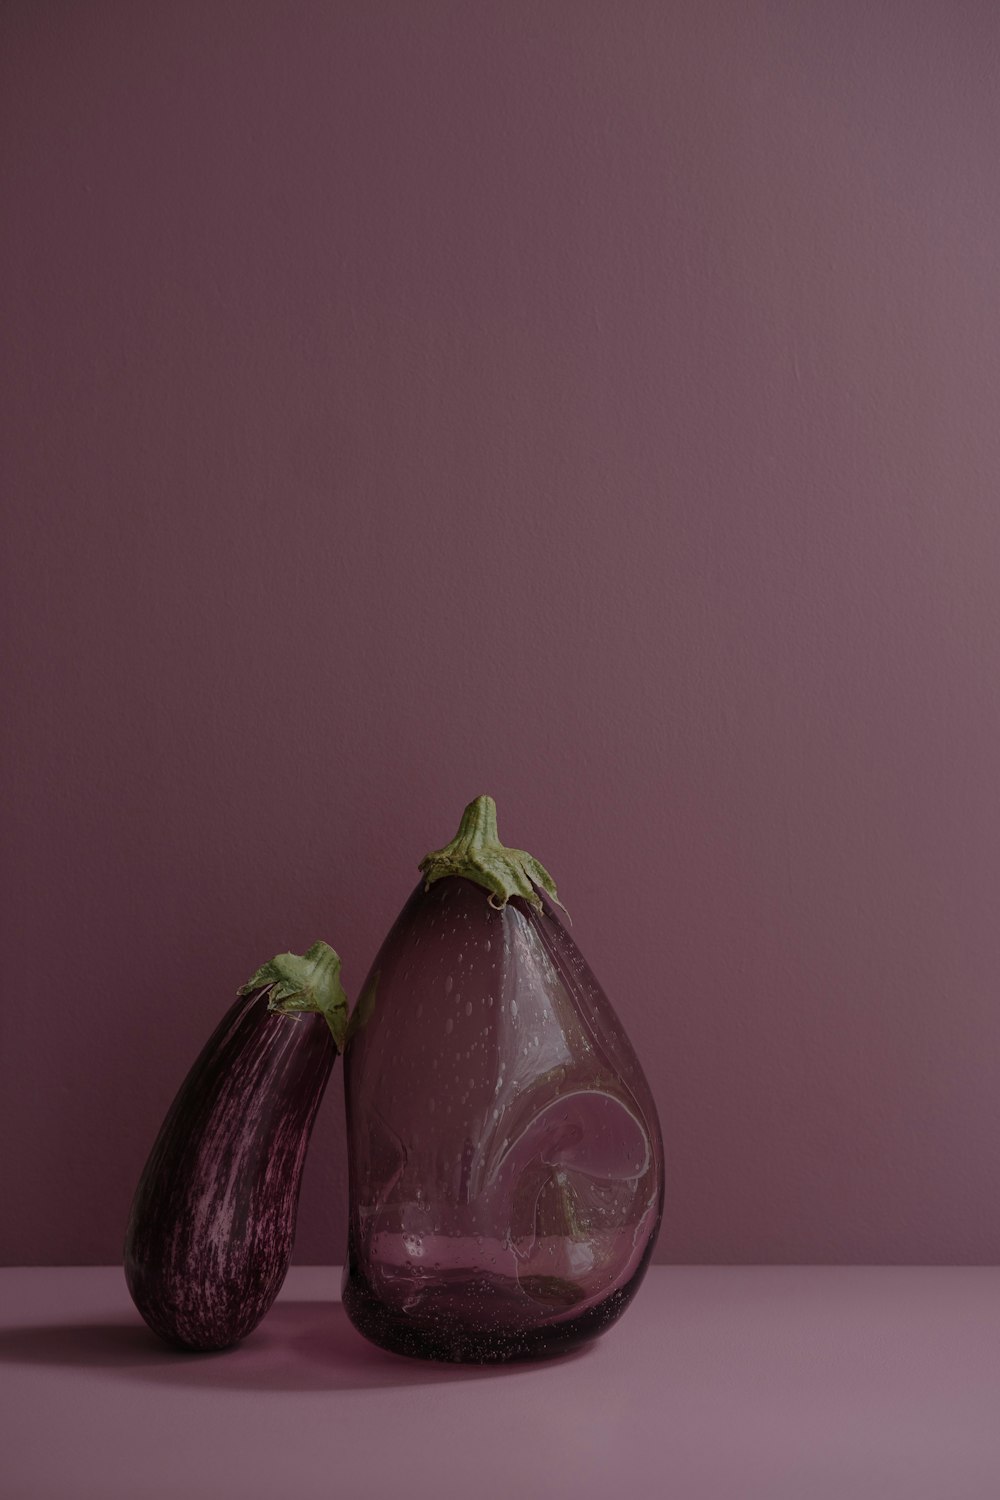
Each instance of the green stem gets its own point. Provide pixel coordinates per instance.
(476, 853)
(305, 983)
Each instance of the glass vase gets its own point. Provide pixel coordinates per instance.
(505, 1157)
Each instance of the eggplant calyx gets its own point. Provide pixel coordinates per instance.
(305, 983)
(476, 853)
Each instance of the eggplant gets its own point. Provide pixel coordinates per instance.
(212, 1223)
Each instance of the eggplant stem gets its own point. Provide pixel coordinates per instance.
(476, 853)
(305, 983)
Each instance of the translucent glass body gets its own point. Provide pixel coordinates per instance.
(506, 1167)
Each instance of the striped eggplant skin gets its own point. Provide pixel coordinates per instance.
(212, 1222)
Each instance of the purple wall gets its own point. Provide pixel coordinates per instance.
(592, 403)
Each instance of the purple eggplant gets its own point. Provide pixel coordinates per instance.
(212, 1222)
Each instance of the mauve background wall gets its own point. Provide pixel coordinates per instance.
(593, 403)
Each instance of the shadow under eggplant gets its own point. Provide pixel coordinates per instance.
(300, 1346)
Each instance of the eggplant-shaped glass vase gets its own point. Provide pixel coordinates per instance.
(505, 1157)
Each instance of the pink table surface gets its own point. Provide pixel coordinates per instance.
(770, 1382)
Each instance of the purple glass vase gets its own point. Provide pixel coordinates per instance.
(505, 1158)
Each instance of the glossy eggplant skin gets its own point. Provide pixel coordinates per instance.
(212, 1222)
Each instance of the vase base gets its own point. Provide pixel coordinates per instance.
(475, 1318)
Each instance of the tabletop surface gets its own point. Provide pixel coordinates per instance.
(818, 1383)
